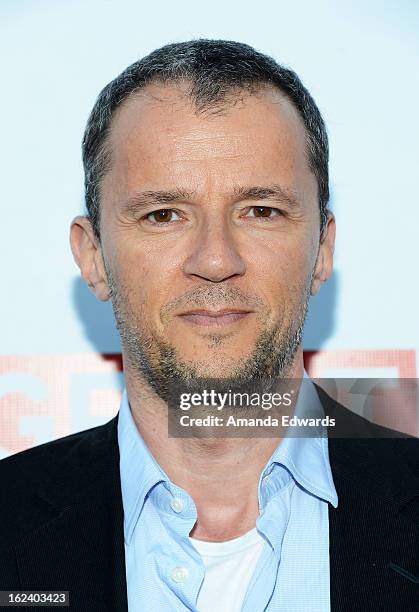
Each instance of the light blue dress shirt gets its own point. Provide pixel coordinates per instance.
(164, 571)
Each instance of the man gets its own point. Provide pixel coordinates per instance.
(206, 170)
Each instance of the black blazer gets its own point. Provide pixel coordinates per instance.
(61, 519)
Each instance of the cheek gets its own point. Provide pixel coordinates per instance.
(282, 266)
(146, 279)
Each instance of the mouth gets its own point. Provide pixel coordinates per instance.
(225, 316)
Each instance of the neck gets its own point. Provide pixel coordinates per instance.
(216, 472)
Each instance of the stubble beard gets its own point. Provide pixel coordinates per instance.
(159, 365)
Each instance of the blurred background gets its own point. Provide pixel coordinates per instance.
(60, 367)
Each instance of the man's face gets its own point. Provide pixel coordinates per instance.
(210, 234)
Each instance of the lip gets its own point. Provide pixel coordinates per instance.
(224, 316)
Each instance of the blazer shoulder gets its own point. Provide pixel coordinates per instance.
(23, 472)
(42, 482)
(383, 459)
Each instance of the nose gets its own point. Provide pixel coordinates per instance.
(214, 256)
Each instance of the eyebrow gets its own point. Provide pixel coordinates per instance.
(274, 193)
(152, 198)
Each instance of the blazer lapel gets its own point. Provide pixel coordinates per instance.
(373, 532)
(80, 546)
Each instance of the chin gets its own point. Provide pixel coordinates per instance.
(220, 367)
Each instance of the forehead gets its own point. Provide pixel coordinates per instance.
(158, 137)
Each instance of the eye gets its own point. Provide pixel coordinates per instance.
(264, 212)
(164, 215)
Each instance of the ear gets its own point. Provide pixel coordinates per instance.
(324, 262)
(88, 256)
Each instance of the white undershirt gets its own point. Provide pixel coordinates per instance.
(229, 567)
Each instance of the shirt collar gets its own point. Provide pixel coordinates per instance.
(139, 471)
(306, 459)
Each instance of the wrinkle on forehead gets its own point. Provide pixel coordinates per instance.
(171, 116)
(159, 140)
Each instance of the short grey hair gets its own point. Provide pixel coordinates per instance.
(217, 71)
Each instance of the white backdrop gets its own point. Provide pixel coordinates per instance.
(360, 61)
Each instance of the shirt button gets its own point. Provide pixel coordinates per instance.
(176, 504)
(179, 573)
